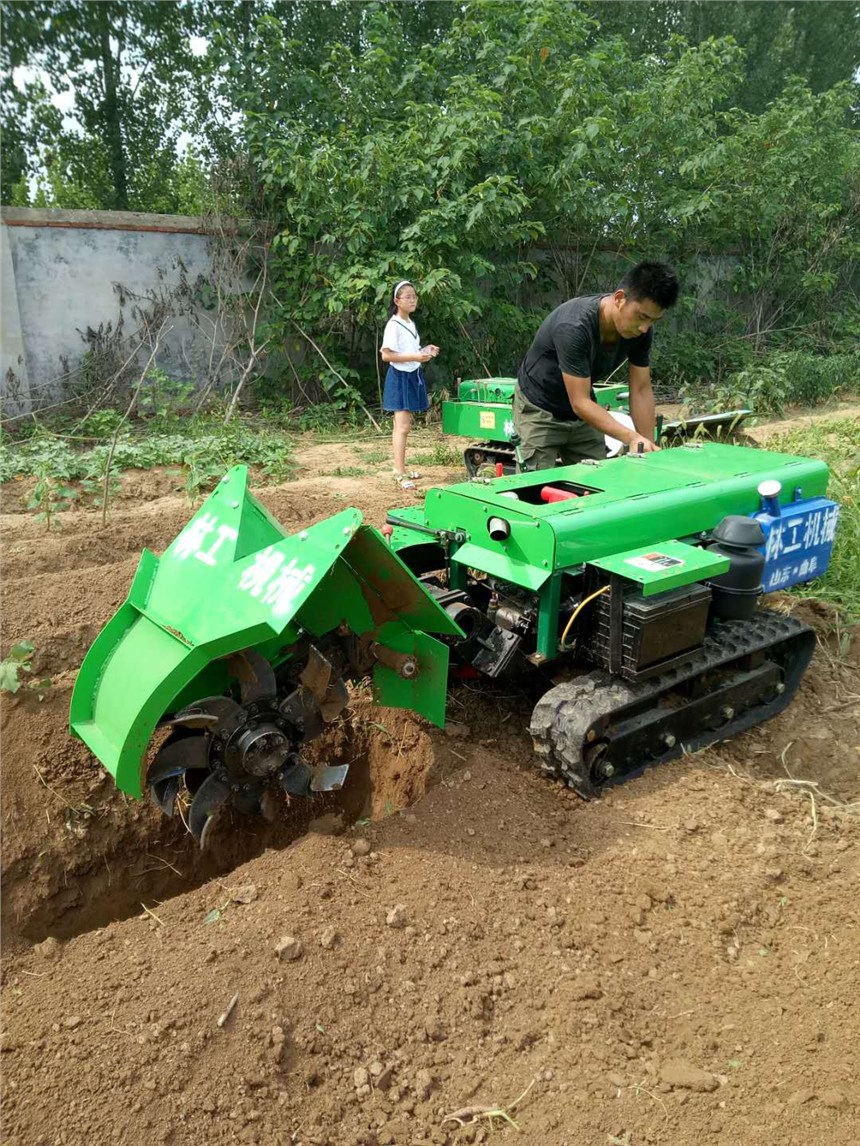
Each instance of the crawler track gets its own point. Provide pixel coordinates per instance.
(596, 729)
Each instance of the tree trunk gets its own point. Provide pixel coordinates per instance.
(111, 114)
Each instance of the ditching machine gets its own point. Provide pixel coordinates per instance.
(630, 588)
(483, 410)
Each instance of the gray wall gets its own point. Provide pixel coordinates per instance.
(59, 275)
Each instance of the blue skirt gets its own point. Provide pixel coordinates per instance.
(405, 390)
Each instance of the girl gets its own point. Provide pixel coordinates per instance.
(405, 390)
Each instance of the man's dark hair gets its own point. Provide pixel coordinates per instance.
(656, 281)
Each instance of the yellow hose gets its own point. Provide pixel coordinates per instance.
(578, 610)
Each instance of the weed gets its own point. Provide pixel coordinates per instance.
(215, 914)
(469, 1115)
(441, 455)
(346, 472)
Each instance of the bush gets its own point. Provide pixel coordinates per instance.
(836, 442)
(786, 378)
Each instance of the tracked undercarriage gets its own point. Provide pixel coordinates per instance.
(597, 730)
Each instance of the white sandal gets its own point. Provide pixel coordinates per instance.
(405, 480)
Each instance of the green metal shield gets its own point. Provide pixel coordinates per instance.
(234, 579)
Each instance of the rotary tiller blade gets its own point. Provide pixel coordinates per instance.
(296, 778)
(255, 675)
(211, 794)
(302, 710)
(316, 675)
(205, 714)
(164, 793)
(177, 755)
(336, 700)
(328, 777)
(248, 799)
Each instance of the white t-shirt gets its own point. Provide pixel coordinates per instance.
(401, 338)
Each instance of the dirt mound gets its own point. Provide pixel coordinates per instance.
(672, 964)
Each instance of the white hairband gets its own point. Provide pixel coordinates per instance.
(404, 283)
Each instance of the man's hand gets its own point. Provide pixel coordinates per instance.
(639, 445)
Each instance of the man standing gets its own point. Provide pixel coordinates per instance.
(582, 341)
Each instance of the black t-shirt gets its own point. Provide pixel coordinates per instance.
(569, 340)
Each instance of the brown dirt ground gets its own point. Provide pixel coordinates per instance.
(675, 964)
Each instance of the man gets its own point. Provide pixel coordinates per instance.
(582, 341)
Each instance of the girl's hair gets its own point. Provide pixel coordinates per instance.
(392, 310)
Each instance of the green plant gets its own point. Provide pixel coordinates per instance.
(346, 472)
(203, 473)
(101, 423)
(49, 497)
(786, 378)
(163, 397)
(836, 442)
(204, 446)
(441, 455)
(14, 664)
(374, 457)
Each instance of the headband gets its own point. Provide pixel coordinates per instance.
(403, 283)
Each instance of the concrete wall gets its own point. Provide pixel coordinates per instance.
(62, 272)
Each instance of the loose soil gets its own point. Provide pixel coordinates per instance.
(675, 963)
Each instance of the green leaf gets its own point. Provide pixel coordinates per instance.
(9, 676)
(21, 651)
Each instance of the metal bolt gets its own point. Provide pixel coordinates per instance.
(727, 712)
(780, 689)
(606, 771)
(590, 735)
(668, 739)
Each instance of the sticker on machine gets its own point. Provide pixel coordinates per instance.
(488, 420)
(654, 562)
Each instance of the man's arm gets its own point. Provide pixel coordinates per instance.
(642, 401)
(584, 406)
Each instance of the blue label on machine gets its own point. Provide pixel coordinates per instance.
(799, 542)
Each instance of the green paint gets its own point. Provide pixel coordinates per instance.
(666, 565)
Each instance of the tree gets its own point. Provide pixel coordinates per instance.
(817, 40)
(129, 67)
(493, 165)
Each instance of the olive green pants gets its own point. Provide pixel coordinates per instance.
(544, 439)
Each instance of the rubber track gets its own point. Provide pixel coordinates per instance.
(563, 716)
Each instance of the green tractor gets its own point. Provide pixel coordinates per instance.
(634, 583)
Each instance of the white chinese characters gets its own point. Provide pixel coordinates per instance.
(191, 540)
(274, 583)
